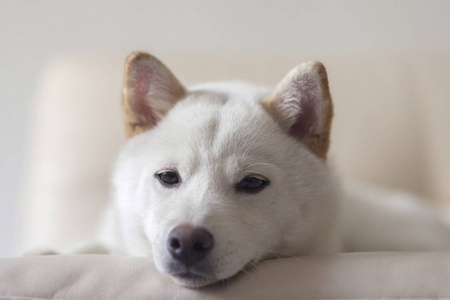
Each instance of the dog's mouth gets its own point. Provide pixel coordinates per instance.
(197, 276)
(192, 279)
(195, 279)
(190, 275)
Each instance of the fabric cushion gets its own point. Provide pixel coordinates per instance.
(346, 276)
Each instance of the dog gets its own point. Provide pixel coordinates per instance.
(220, 176)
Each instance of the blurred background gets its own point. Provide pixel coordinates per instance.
(37, 37)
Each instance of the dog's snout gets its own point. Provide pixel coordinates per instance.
(189, 244)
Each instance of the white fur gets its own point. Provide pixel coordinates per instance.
(216, 136)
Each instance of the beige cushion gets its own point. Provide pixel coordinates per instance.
(345, 276)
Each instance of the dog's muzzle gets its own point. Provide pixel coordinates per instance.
(189, 244)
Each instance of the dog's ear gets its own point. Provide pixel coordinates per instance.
(301, 104)
(150, 90)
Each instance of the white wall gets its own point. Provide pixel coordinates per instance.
(33, 33)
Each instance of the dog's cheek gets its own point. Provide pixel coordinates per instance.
(154, 221)
(275, 214)
(254, 230)
(233, 250)
(162, 214)
(154, 233)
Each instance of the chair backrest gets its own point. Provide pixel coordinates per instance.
(391, 127)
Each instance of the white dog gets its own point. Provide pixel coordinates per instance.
(220, 176)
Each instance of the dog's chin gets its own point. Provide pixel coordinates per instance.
(193, 281)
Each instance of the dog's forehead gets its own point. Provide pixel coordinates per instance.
(219, 124)
(224, 117)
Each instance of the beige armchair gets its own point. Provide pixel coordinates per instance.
(391, 128)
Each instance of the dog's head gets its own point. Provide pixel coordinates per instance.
(220, 176)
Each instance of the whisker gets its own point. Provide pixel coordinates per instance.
(254, 265)
(267, 164)
(150, 259)
(249, 275)
(279, 254)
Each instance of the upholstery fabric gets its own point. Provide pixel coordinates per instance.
(390, 128)
(345, 276)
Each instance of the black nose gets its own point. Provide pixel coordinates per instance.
(189, 244)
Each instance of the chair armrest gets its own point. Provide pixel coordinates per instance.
(343, 276)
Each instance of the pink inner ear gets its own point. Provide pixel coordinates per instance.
(309, 98)
(140, 84)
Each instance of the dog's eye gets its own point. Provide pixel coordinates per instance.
(252, 184)
(168, 177)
